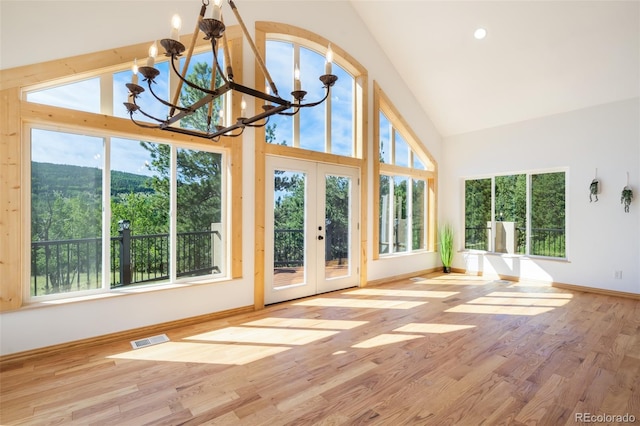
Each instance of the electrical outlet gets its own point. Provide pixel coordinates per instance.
(617, 275)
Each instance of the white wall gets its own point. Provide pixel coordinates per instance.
(601, 237)
(68, 28)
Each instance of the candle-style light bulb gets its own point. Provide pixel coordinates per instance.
(216, 12)
(176, 25)
(153, 52)
(296, 79)
(329, 60)
(134, 70)
(243, 107)
(221, 117)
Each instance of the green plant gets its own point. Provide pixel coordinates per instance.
(446, 246)
(626, 197)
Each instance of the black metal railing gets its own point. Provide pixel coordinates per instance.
(72, 265)
(549, 242)
(288, 245)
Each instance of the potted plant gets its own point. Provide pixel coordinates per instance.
(446, 247)
(625, 198)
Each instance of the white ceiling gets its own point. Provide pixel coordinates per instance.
(539, 57)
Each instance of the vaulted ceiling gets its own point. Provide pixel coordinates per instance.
(538, 58)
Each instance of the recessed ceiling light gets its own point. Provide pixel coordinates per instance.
(480, 33)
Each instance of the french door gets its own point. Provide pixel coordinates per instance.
(311, 228)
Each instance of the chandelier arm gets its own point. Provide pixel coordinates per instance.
(146, 126)
(162, 101)
(227, 54)
(315, 103)
(194, 38)
(256, 53)
(214, 49)
(266, 121)
(192, 85)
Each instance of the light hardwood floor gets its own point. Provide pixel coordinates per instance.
(445, 349)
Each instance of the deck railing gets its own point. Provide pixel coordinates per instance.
(544, 241)
(76, 264)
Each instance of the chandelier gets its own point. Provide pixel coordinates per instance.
(213, 29)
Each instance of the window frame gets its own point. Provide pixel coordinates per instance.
(383, 105)
(528, 209)
(104, 64)
(105, 287)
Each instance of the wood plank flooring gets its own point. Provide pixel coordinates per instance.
(441, 350)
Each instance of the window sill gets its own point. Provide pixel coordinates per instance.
(149, 288)
(516, 256)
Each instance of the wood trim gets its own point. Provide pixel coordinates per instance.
(392, 169)
(387, 280)
(90, 64)
(346, 61)
(132, 334)
(362, 132)
(10, 200)
(259, 188)
(304, 154)
(615, 293)
(376, 172)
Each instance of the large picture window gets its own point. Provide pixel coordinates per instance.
(100, 213)
(517, 214)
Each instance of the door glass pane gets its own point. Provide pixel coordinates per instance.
(418, 209)
(199, 243)
(288, 228)
(140, 199)
(548, 214)
(511, 209)
(400, 231)
(477, 214)
(66, 212)
(337, 232)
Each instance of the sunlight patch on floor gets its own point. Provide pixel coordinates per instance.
(499, 310)
(306, 323)
(518, 301)
(360, 303)
(207, 353)
(453, 279)
(264, 335)
(385, 339)
(432, 328)
(529, 294)
(402, 293)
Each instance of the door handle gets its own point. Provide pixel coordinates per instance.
(320, 237)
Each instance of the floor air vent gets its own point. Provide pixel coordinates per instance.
(148, 341)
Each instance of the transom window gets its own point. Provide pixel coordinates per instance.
(326, 128)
